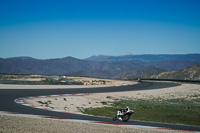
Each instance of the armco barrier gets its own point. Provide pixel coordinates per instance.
(175, 80)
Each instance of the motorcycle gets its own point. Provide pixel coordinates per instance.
(125, 117)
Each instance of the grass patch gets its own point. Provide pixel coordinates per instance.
(104, 103)
(46, 104)
(109, 97)
(158, 110)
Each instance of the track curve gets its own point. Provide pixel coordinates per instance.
(7, 97)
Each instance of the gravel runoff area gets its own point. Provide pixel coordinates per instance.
(22, 123)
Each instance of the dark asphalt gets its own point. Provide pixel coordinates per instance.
(7, 97)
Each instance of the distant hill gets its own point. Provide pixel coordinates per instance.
(27, 65)
(189, 73)
(59, 66)
(99, 66)
(119, 74)
(148, 57)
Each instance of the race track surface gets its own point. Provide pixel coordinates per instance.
(7, 97)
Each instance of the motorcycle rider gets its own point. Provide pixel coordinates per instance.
(121, 112)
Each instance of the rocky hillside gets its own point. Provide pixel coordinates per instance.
(189, 73)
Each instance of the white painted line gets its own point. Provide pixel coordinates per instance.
(54, 95)
(41, 96)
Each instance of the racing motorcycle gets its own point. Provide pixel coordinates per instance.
(125, 117)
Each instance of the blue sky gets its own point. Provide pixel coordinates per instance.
(46, 29)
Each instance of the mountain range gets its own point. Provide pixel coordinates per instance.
(114, 67)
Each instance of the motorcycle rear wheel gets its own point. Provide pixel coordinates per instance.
(114, 118)
(126, 118)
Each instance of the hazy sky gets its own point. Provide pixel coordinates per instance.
(81, 28)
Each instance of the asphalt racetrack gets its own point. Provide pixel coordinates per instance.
(7, 97)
